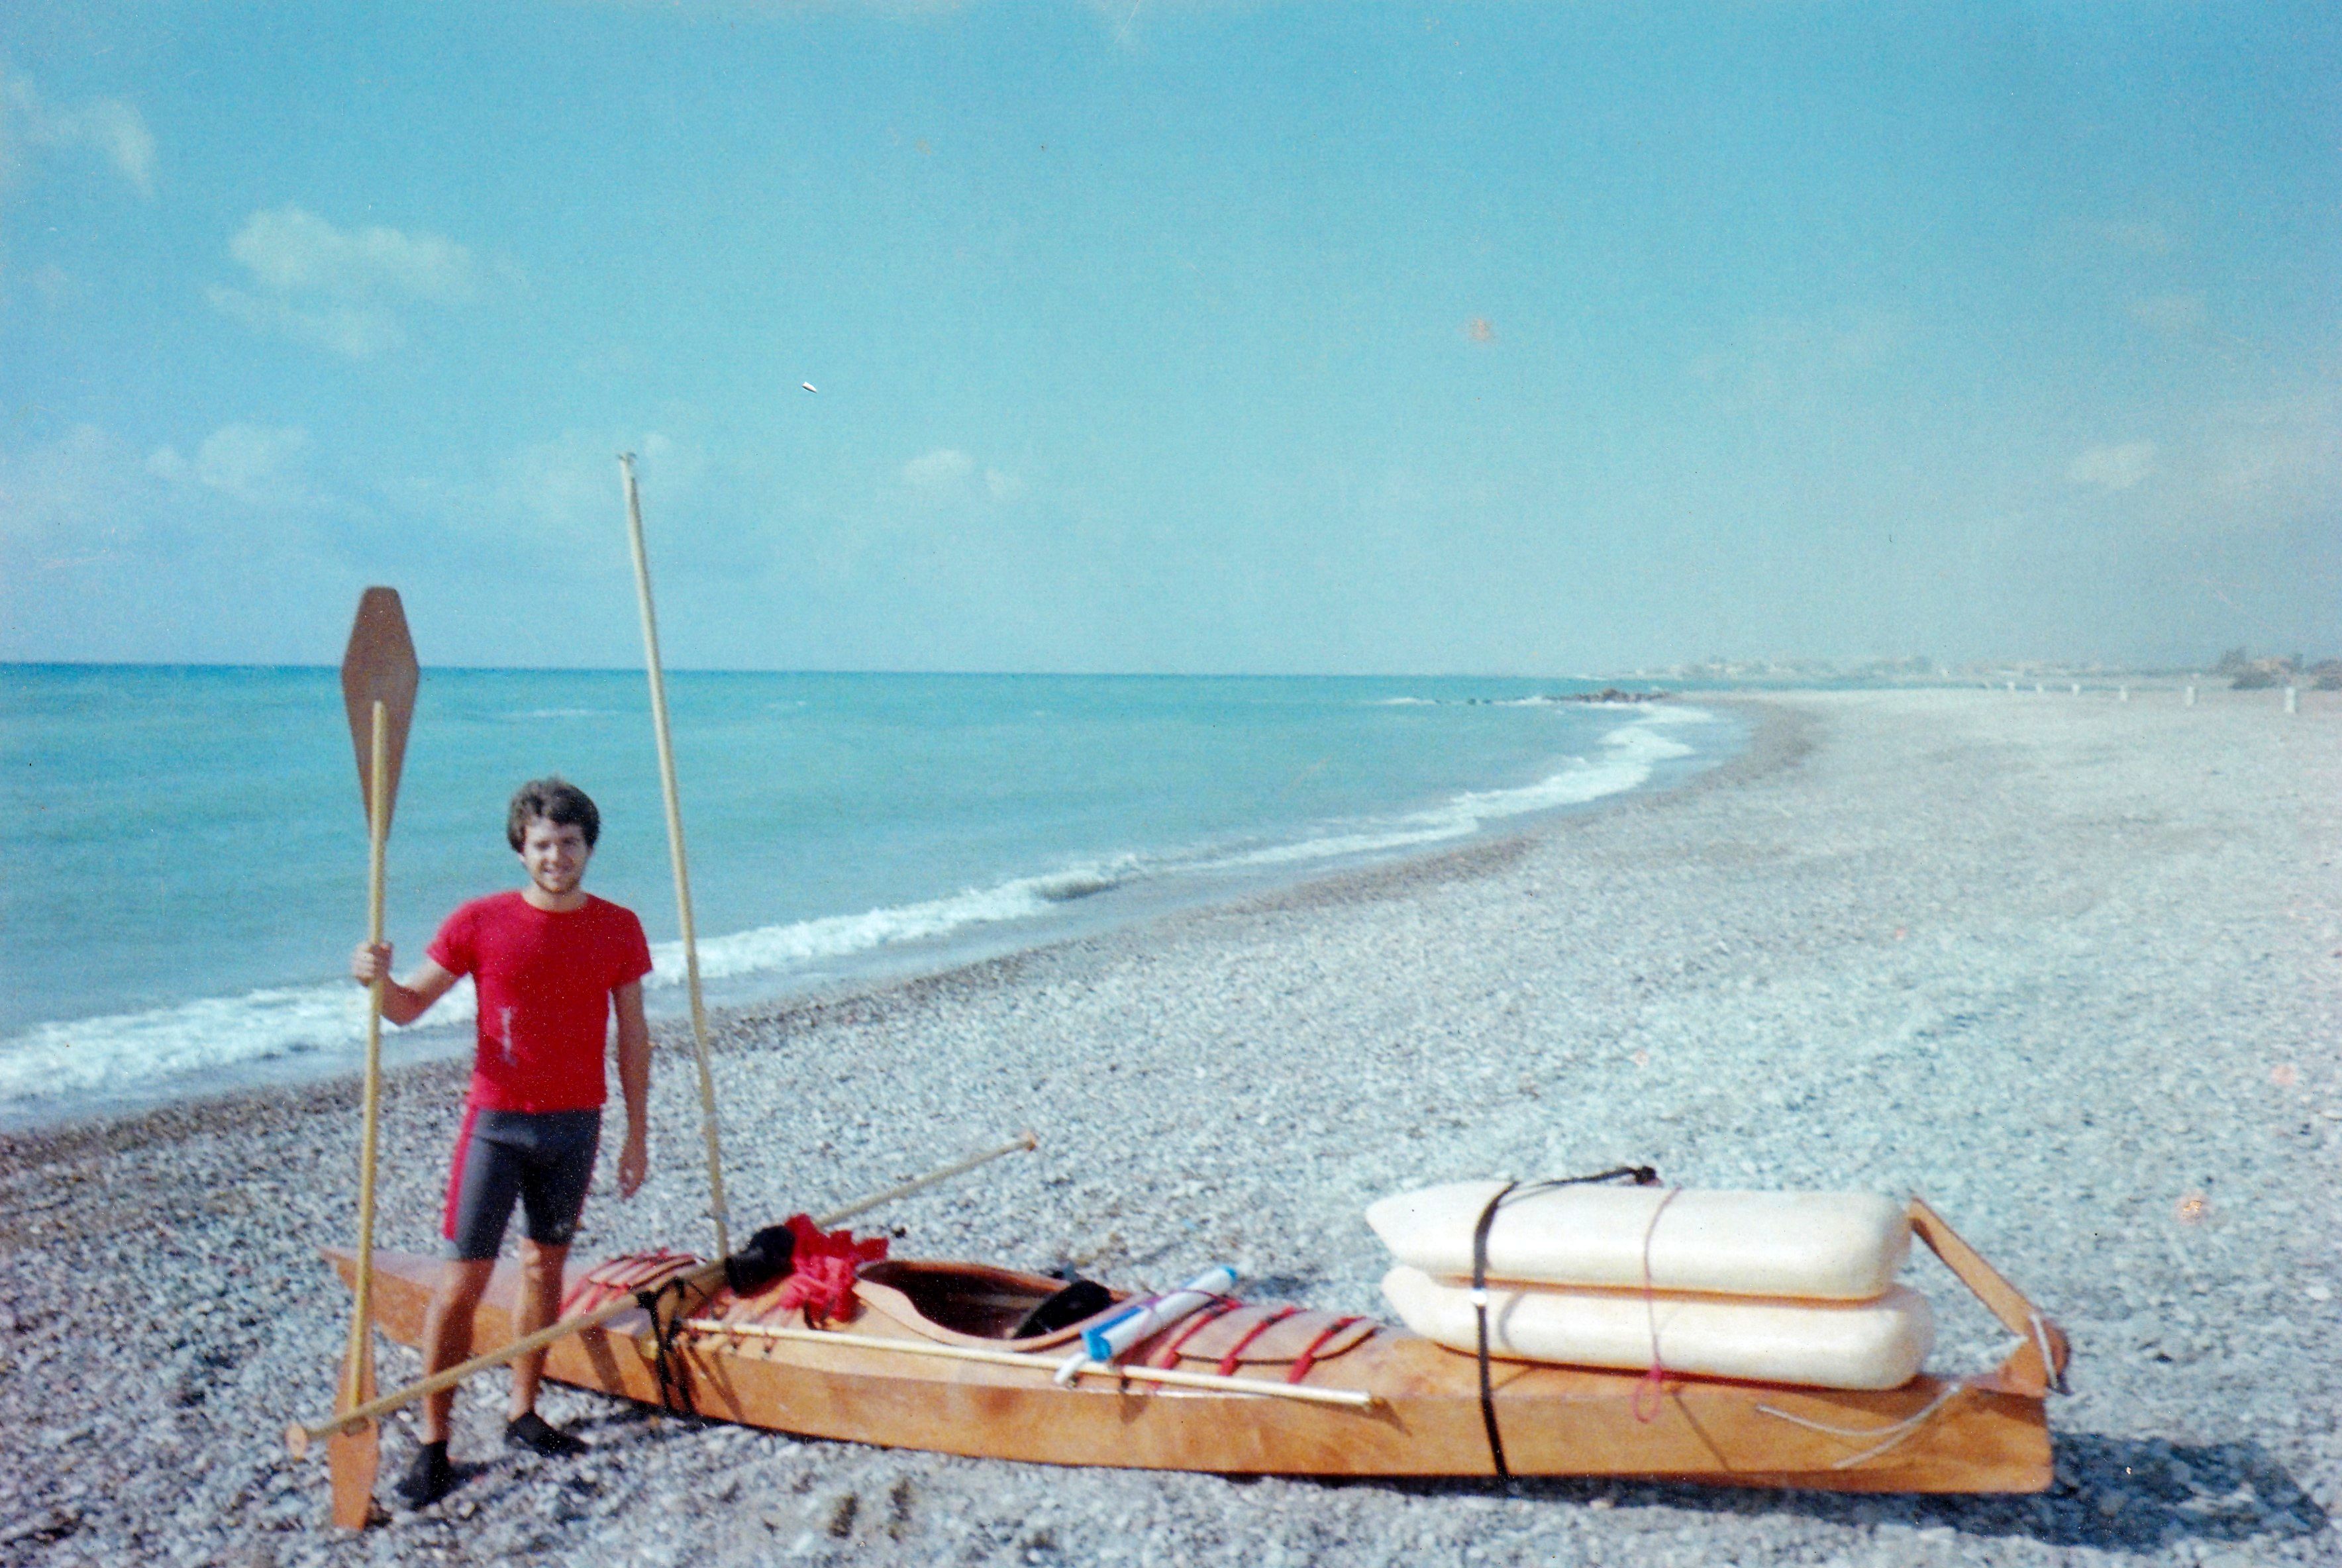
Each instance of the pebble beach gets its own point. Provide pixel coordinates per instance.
(2068, 967)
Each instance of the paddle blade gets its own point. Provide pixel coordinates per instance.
(352, 1459)
(379, 667)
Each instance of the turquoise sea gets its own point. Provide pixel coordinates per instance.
(183, 850)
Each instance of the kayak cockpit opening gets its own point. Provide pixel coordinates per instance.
(991, 1303)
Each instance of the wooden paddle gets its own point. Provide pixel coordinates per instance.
(716, 1206)
(378, 681)
(298, 1436)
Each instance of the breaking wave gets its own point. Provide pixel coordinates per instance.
(128, 1051)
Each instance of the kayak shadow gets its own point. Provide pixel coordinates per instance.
(2120, 1493)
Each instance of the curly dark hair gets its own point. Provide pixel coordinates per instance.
(555, 800)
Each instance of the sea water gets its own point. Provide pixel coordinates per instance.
(183, 855)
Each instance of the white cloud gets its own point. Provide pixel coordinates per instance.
(330, 287)
(353, 331)
(53, 285)
(943, 469)
(290, 250)
(2281, 451)
(65, 500)
(568, 488)
(259, 464)
(107, 127)
(949, 474)
(2113, 467)
(566, 485)
(106, 552)
(251, 462)
(2264, 466)
(86, 497)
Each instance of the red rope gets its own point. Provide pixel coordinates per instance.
(1308, 1358)
(615, 1277)
(1169, 1354)
(1234, 1358)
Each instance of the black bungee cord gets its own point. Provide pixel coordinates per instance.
(666, 1360)
(1644, 1176)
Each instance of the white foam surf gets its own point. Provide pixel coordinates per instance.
(1630, 754)
(117, 1051)
(129, 1052)
(780, 948)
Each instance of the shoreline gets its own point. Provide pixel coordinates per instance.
(2062, 969)
(1133, 905)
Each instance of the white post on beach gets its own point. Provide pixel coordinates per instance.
(674, 850)
(2191, 696)
(2292, 700)
(2122, 694)
(2078, 688)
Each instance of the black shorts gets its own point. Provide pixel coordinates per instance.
(543, 1158)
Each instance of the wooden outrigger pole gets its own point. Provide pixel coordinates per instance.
(379, 676)
(716, 1204)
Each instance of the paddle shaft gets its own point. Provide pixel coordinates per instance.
(298, 1437)
(357, 1368)
(379, 682)
(716, 1208)
(1025, 1142)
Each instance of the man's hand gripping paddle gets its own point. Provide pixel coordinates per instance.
(378, 681)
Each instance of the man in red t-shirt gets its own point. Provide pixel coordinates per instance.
(550, 963)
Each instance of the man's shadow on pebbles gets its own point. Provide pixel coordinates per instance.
(2109, 1492)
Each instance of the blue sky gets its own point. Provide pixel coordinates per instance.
(1173, 337)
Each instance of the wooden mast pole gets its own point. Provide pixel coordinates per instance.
(716, 1208)
(378, 679)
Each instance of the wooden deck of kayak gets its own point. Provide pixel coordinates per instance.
(1977, 1434)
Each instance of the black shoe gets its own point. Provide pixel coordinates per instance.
(429, 1478)
(532, 1432)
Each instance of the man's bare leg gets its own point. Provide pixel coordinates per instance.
(541, 1278)
(447, 1341)
(541, 1271)
(447, 1334)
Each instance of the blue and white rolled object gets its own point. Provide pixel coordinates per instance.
(1104, 1342)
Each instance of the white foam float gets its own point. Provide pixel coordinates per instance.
(1871, 1344)
(1825, 1247)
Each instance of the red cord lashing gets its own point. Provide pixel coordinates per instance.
(1234, 1358)
(1169, 1354)
(1308, 1358)
(614, 1277)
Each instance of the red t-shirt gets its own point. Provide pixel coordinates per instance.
(544, 980)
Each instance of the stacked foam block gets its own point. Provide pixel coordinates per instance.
(1765, 1287)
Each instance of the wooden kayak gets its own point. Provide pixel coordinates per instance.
(928, 1362)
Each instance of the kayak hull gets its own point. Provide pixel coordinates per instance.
(1985, 1434)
